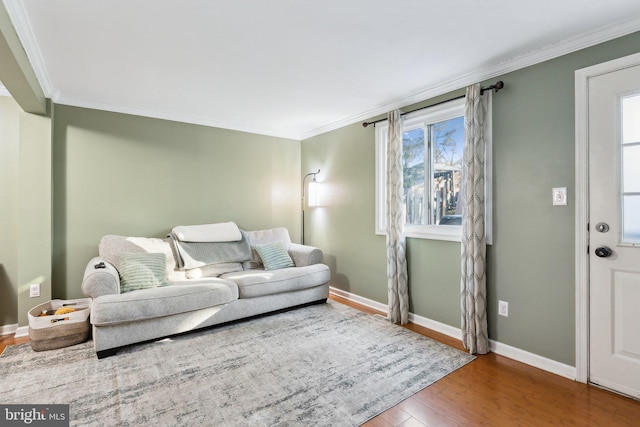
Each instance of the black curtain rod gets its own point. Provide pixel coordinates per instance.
(497, 86)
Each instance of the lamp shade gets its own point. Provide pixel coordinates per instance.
(313, 198)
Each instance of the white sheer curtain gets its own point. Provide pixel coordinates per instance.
(397, 279)
(473, 284)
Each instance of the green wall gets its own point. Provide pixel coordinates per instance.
(343, 227)
(135, 176)
(531, 261)
(9, 158)
(25, 213)
(25, 178)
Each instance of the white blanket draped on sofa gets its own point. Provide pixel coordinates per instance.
(222, 232)
(202, 247)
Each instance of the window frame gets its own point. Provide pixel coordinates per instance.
(423, 118)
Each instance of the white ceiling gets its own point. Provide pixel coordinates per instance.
(293, 68)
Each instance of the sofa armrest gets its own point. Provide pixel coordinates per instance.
(305, 255)
(100, 278)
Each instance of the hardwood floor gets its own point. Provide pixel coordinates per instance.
(6, 340)
(496, 391)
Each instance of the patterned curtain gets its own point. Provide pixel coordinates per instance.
(473, 284)
(397, 281)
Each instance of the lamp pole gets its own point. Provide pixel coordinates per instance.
(304, 198)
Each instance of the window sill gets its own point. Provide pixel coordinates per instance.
(451, 233)
(448, 233)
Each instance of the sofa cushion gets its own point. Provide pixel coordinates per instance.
(142, 271)
(274, 256)
(111, 246)
(257, 283)
(159, 302)
(258, 237)
(213, 270)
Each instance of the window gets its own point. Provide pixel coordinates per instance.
(630, 180)
(432, 144)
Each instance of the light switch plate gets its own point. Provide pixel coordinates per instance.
(560, 196)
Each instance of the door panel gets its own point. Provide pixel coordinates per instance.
(614, 255)
(626, 304)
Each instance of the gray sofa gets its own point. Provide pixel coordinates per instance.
(189, 302)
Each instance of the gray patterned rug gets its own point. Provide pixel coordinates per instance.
(324, 365)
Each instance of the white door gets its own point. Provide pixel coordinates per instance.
(614, 224)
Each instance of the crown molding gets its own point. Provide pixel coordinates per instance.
(22, 26)
(537, 56)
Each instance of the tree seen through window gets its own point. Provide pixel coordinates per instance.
(433, 154)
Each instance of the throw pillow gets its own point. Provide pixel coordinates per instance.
(260, 237)
(142, 271)
(274, 256)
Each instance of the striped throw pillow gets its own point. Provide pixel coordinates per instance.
(274, 256)
(142, 271)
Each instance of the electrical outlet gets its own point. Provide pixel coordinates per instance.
(559, 196)
(34, 290)
(503, 308)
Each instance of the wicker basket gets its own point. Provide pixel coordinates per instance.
(57, 331)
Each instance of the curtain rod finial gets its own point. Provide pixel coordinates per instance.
(495, 87)
(365, 124)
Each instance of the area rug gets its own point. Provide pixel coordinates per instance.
(324, 365)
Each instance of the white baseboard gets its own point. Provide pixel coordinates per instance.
(533, 359)
(22, 331)
(505, 350)
(414, 318)
(360, 300)
(434, 325)
(8, 329)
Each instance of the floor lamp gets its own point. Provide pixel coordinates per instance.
(313, 195)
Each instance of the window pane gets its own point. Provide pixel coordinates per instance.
(413, 160)
(448, 143)
(631, 119)
(631, 168)
(631, 221)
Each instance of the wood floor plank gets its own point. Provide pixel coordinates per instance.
(395, 416)
(425, 414)
(378, 421)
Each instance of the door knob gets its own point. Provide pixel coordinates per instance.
(603, 252)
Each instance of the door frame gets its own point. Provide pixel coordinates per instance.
(582, 270)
